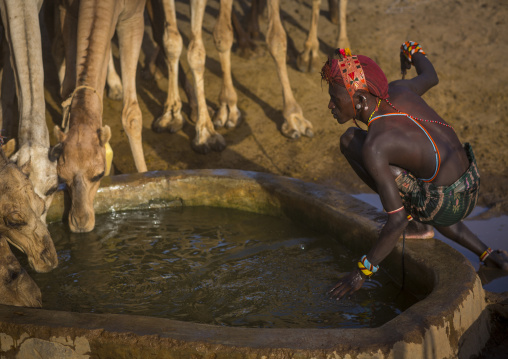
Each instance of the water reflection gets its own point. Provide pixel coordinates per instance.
(215, 266)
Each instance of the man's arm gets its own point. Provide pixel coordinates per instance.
(426, 74)
(379, 169)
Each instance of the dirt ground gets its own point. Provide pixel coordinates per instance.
(464, 39)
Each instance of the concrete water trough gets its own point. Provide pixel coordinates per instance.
(449, 321)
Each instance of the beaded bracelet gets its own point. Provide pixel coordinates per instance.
(366, 267)
(409, 48)
(364, 270)
(485, 255)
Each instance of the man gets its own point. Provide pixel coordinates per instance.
(410, 156)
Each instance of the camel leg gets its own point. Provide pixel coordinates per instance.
(294, 124)
(9, 116)
(113, 80)
(245, 44)
(343, 40)
(333, 9)
(171, 120)
(228, 114)
(69, 32)
(309, 60)
(130, 36)
(206, 137)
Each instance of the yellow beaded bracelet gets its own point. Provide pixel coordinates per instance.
(364, 270)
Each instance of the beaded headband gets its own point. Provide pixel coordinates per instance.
(352, 72)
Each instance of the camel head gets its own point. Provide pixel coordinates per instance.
(81, 165)
(34, 161)
(16, 286)
(20, 217)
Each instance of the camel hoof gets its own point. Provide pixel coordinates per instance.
(214, 143)
(309, 132)
(302, 62)
(168, 122)
(293, 134)
(115, 93)
(232, 123)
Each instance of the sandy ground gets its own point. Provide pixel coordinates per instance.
(465, 40)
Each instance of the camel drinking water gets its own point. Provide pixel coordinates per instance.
(81, 150)
(21, 225)
(20, 212)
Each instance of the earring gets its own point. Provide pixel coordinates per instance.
(366, 108)
(358, 106)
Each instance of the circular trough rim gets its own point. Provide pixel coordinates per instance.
(290, 197)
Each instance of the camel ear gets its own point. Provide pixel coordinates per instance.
(10, 147)
(55, 152)
(104, 135)
(59, 134)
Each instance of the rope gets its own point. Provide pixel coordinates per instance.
(68, 102)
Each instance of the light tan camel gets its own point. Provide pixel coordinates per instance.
(20, 214)
(309, 59)
(22, 32)
(16, 286)
(81, 149)
(55, 14)
(228, 115)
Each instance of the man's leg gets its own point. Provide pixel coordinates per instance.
(460, 234)
(351, 143)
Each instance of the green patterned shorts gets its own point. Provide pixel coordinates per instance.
(441, 205)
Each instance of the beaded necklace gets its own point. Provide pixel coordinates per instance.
(375, 110)
(416, 118)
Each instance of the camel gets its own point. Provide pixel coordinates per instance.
(20, 211)
(16, 286)
(309, 59)
(81, 148)
(21, 24)
(228, 115)
(55, 13)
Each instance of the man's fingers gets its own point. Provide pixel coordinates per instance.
(339, 291)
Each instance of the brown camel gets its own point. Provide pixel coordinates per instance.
(20, 210)
(22, 32)
(16, 286)
(81, 150)
(309, 59)
(228, 115)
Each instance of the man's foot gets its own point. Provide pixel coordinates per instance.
(498, 258)
(489, 274)
(418, 230)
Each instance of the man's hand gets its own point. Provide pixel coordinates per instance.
(405, 65)
(348, 284)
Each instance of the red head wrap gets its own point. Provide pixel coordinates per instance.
(355, 72)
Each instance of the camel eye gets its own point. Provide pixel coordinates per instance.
(98, 177)
(14, 220)
(14, 275)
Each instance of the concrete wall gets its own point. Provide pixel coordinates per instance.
(450, 319)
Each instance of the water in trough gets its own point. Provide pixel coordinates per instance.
(216, 266)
